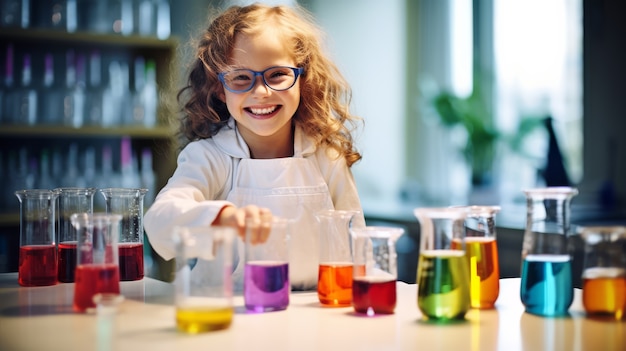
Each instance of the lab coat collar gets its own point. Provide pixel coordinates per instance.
(230, 141)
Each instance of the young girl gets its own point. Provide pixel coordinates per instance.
(266, 116)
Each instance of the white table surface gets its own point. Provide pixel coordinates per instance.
(41, 318)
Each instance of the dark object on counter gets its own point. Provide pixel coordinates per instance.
(554, 173)
(606, 194)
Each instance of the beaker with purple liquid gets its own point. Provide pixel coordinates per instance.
(266, 284)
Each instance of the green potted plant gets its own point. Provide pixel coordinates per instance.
(472, 114)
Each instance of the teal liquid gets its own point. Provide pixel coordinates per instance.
(546, 288)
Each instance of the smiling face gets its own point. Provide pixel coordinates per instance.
(263, 115)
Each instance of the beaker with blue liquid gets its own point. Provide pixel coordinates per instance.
(546, 280)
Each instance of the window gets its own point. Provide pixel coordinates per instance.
(537, 51)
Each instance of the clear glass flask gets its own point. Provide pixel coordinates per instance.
(442, 272)
(546, 278)
(375, 269)
(482, 255)
(71, 200)
(604, 271)
(334, 284)
(204, 302)
(38, 251)
(128, 202)
(97, 264)
(266, 284)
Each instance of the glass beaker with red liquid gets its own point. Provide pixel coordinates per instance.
(97, 265)
(604, 271)
(71, 200)
(546, 287)
(128, 203)
(204, 297)
(334, 283)
(481, 251)
(38, 251)
(375, 269)
(266, 284)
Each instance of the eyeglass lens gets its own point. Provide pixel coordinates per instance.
(277, 78)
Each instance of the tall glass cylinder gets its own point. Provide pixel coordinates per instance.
(97, 265)
(38, 252)
(482, 255)
(334, 282)
(604, 271)
(375, 269)
(546, 284)
(128, 202)
(71, 200)
(442, 271)
(204, 302)
(266, 285)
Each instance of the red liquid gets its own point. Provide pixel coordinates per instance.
(131, 261)
(369, 292)
(67, 261)
(37, 265)
(91, 280)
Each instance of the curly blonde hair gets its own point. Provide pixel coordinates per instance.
(323, 112)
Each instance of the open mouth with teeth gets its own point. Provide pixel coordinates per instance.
(264, 112)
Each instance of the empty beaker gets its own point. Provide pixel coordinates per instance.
(128, 202)
(266, 284)
(546, 283)
(442, 271)
(38, 251)
(204, 301)
(97, 264)
(334, 283)
(481, 251)
(604, 271)
(71, 200)
(375, 269)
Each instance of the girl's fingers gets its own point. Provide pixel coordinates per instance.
(266, 224)
(266, 227)
(258, 221)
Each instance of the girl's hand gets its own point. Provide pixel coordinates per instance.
(239, 217)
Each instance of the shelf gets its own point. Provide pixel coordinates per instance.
(10, 219)
(34, 139)
(160, 132)
(85, 38)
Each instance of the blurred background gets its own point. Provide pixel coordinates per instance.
(464, 102)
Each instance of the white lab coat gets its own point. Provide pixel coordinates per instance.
(212, 173)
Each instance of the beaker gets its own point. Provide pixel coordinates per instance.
(546, 283)
(481, 251)
(375, 269)
(38, 251)
(443, 273)
(266, 284)
(71, 200)
(97, 264)
(334, 283)
(204, 302)
(128, 202)
(604, 271)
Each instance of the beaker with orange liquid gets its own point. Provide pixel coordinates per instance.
(334, 284)
(604, 271)
(481, 252)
